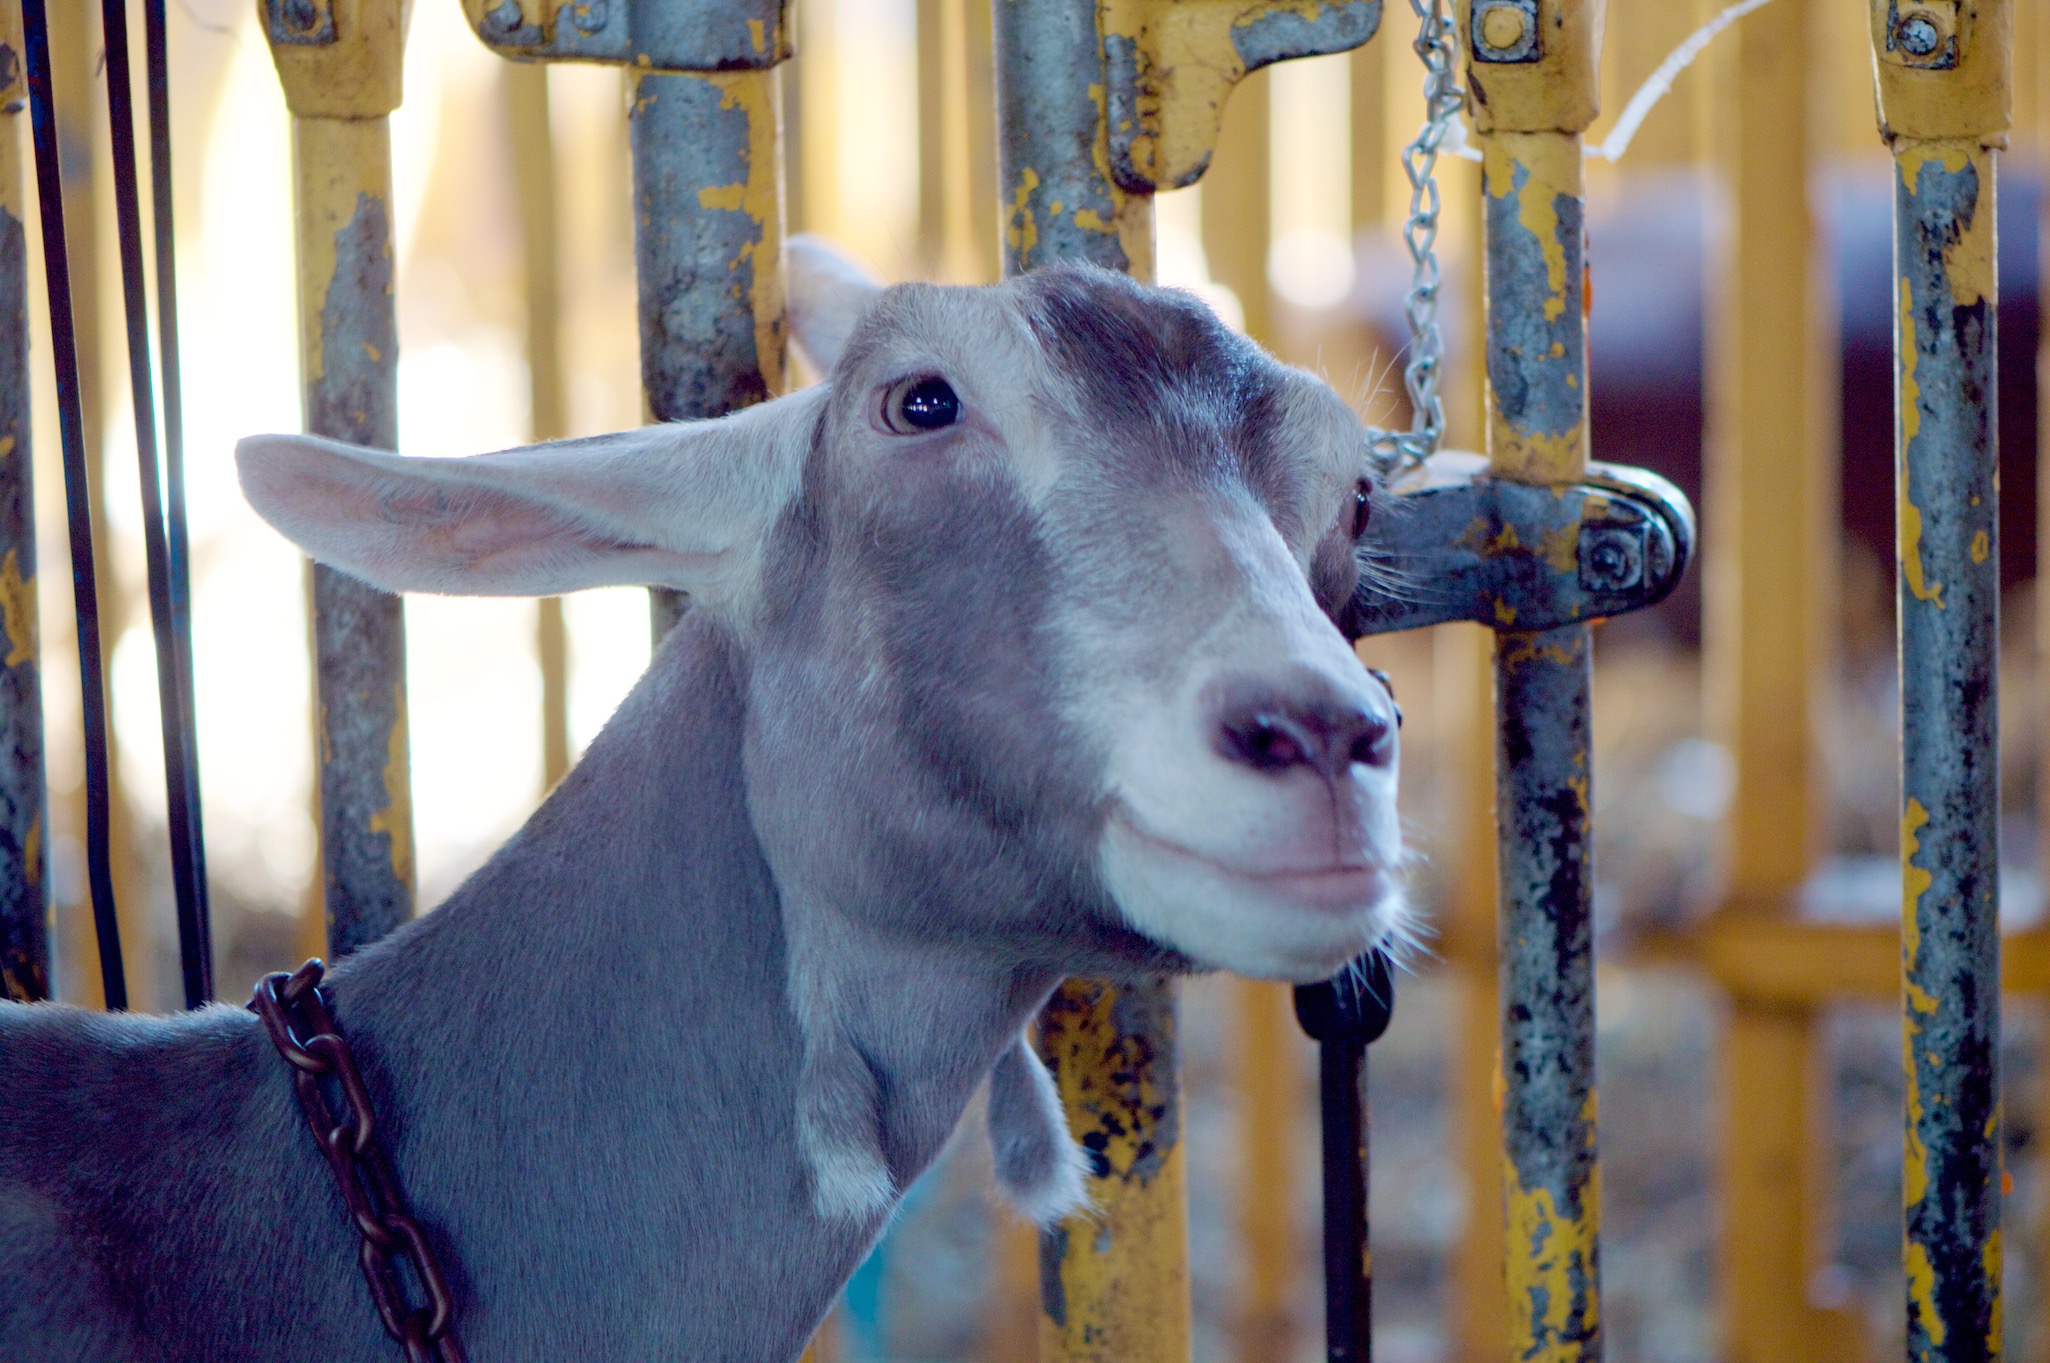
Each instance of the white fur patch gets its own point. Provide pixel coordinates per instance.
(1041, 1170)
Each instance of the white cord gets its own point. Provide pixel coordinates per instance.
(1660, 81)
(1655, 88)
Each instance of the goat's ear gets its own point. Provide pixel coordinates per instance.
(825, 292)
(688, 505)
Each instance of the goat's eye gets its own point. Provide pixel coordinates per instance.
(1362, 506)
(923, 405)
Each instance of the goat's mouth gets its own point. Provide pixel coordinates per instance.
(1342, 885)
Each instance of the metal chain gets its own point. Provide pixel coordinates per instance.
(297, 1005)
(1436, 44)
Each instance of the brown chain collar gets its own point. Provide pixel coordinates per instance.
(297, 1005)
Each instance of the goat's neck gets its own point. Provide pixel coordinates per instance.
(593, 1044)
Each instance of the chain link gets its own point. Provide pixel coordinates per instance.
(298, 1005)
(1437, 45)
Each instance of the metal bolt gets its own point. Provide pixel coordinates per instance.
(588, 16)
(1503, 27)
(506, 18)
(300, 15)
(1611, 557)
(1917, 36)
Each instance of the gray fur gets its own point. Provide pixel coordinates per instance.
(657, 1074)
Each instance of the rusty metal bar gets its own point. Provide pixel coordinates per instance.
(1943, 103)
(1097, 107)
(708, 244)
(339, 63)
(1114, 1287)
(24, 855)
(1531, 74)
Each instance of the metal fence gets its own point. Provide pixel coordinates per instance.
(1066, 117)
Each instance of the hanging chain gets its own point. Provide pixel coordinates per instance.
(299, 1016)
(1435, 43)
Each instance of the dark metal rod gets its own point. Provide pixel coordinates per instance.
(170, 385)
(1348, 1260)
(1945, 379)
(71, 432)
(1345, 1015)
(181, 777)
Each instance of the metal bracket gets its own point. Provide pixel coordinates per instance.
(714, 35)
(1169, 65)
(1460, 544)
(1504, 31)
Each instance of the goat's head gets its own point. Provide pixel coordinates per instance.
(1035, 597)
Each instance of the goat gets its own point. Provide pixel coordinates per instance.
(1010, 657)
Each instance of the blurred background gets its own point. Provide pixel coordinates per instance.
(1294, 236)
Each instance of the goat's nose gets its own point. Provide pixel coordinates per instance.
(1329, 734)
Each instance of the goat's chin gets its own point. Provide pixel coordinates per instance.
(1295, 926)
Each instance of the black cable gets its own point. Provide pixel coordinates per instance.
(181, 782)
(170, 385)
(71, 430)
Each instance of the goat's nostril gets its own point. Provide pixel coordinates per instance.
(1374, 746)
(1264, 743)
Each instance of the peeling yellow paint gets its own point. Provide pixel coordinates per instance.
(1560, 549)
(1991, 1263)
(1968, 261)
(760, 197)
(1021, 232)
(1915, 881)
(32, 852)
(1982, 547)
(757, 35)
(337, 164)
(6, 446)
(1546, 1251)
(1910, 424)
(17, 610)
(395, 820)
(1116, 1278)
(726, 198)
(1922, 1293)
(1505, 614)
(1504, 542)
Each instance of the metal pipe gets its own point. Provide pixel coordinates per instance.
(1943, 102)
(1533, 92)
(341, 83)
(525, 87)
(169, 624)
(24, 854)
(708, 246)
(1114, 1286)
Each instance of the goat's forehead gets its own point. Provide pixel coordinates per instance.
(1144, 379)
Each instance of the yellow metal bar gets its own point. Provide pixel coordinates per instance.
(1271, 1107)
(1236, 205)
(1118, 1290)
(339, 63)
(1770, 627)
(1532, 93)
(956, 142)
(525, 89)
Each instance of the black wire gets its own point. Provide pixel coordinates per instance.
(71, 430)
(170, 384)
(181, 778)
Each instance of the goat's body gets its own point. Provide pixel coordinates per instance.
(607, 1151)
